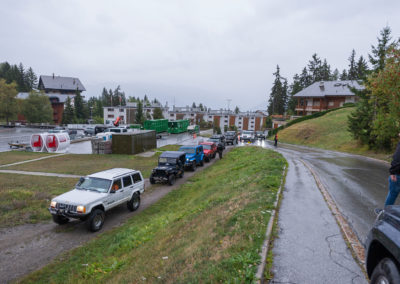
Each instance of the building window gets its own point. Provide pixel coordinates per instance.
(110, 116)
(331, 103)
(209, 116)
(171, 114)
(192, 114)
(110, 109)
(121, 110)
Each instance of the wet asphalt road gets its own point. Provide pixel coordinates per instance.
(357, 184)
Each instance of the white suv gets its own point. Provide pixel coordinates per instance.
(95, 194)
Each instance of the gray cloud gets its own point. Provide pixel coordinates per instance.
(203, 51)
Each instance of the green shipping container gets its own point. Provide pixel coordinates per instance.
(178, 126)
(134, 142)
(159, 125)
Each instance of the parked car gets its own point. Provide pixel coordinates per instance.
(194, 156)
(383, 247)
(117, 130)
(90, 130)
(100, 129)
(209, 149)
(97, 193)
(259, 135)
(218, 139)
(170, 166)
(231, 137)
(247, 136)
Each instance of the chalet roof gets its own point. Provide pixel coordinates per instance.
(61, 83)
(329, 88)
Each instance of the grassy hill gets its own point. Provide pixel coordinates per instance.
(327, 132)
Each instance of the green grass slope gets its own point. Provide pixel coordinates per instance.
(327, 132)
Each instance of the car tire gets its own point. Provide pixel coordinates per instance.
(60, 220)
(202, 162)
(207, 159)
(134, 203)
(171, 179)
(385, 270)
(194, 166)
(96, 220)
(152, 180)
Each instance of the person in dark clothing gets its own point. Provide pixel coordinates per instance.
(276, 140)
(394, 178)
(220, 149)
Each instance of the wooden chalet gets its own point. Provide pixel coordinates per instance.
(325, 95)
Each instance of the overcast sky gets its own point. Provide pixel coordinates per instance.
(185, 51)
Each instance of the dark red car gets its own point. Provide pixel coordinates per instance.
(209, 149)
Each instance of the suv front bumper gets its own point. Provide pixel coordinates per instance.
(66, 213)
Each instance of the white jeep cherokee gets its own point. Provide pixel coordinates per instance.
(95, 194)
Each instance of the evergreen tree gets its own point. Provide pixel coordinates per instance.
(343, 76)
(193, 105)
(325, 71)
(37, 108)
(276, 99)
(294, 89)
(79, 111)
(352, 74)
(31, 78)
(237, 110)
(139, 113)
(335, 75)
(377, 59)
(305, 78)
(285, 95)
(315, 68)
(362, 68)
(157, 113)
(68, 114)
(201, 107)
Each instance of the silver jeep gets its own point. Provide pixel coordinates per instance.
(95, 194)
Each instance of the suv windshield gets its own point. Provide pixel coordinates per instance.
(213, 139)
(95, 184)
(167, 161)
(248, 132)
(230, 133)
(188, 150)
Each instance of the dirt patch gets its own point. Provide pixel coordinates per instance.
(26, 248)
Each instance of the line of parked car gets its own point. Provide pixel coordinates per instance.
(97, 193)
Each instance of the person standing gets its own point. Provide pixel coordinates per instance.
(220, 149)
(276, 140)
(394, 178)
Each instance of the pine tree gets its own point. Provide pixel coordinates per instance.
(79, 111)
(343, 76)
(325, 71)
(377, 59)
(139, 113)
(31, 78)
(201, 107)
(193, 105)
(276, 99)
(314, 68)
(362, 68)
(68, 114)
(305, 78)
(335, 75)
(237, 110)
(294, 89)
(352, 74)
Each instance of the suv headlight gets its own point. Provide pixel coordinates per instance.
(53, 204)
(81, 209)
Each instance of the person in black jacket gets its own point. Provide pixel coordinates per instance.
(394, 179)
(220, 149)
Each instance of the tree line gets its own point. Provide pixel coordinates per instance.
(25, 78)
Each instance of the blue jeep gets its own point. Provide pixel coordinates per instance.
(194, 156)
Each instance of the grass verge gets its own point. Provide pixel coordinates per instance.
(209, 230)
(82, 164)
(24, 199)
(18, 156)
(328, 132)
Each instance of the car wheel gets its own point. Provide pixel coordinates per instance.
(60, 220)
(134, 203)
(207, 159)
(171, 179)
(152, 180)
(181, 174)
(96, 220)
(385, 272)
(194, 166)
(202, 162)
